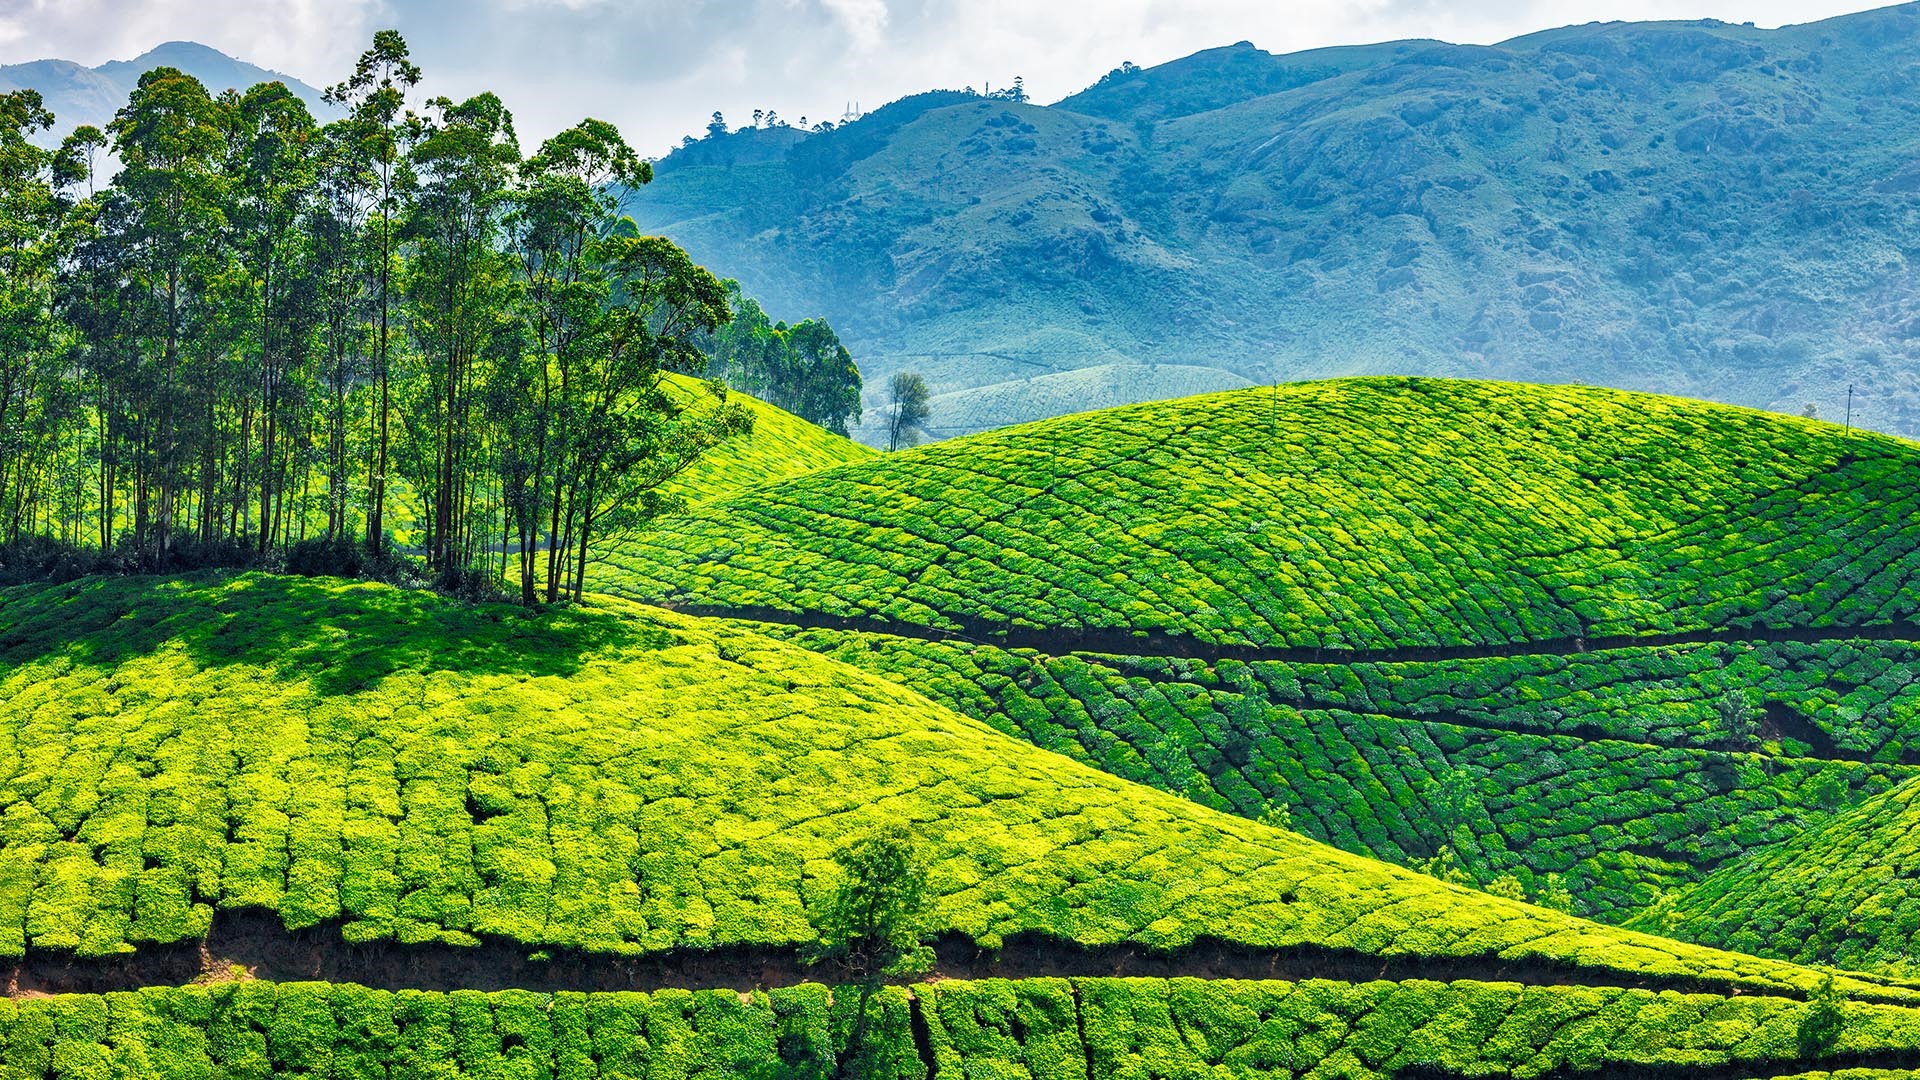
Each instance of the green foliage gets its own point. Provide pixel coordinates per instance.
(390, 327)
(1842, 892)
(1046, 1029)
(1824, 1021)
(1602, 769)
(874, 918)
(614, 780)
(1353, 514)
(801, 369)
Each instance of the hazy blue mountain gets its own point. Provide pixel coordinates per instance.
(82, 95)
(1697, 208)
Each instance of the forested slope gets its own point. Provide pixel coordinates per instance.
(1687, 207)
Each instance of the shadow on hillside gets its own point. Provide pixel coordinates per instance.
(343, 636)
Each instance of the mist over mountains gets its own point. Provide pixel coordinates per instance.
(91, 95)
(1688, 207)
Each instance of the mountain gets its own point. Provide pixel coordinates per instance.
(1695, 208)
(82, 95)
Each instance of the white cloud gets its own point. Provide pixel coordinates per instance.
(658, 68)
(308, 39)
(865, 20)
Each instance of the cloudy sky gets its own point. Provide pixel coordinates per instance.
(659, 67)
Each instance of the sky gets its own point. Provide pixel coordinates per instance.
(659, 69)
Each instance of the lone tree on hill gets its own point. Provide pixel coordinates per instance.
(873, 923)
(907, 409)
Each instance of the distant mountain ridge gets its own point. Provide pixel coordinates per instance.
(82, 95)
(1696, 208)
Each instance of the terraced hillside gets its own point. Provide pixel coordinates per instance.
(1058, 1029)
(1600, 642)
(617, 782)
(488, 829)
(1842, 893)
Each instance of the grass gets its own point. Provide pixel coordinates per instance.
(1044, 1029)
(1610, 769)
(613, 781)
(1353, 514)
(1841, 893)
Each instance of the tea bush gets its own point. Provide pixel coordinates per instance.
(1353, 514)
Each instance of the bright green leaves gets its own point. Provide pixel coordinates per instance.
(1042, 1029)
(1375, 514)
(610, 781)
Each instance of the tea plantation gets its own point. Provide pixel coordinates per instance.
(1362, 514)
(396, 768)
(1600, 643)
(1841, 893)
(1056, 1029)
(1612, 769)
(1173, 686)
(780, 446)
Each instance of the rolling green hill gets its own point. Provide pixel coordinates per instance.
(1594, 641)
(780, 446)
(1843, 892)
(616, 782)
(398, 779)
(1686, 207)
(1609, 775)
(1369, 514)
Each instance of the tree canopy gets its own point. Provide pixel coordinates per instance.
(394, 331)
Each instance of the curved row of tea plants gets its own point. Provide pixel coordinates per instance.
(1041, 1029)
(613, 781)
(1397, 760)
(1369, 514)
(1846, 892)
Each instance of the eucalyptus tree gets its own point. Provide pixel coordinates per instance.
(569, 195)
(161, 225)
(907, 409)
(344, 185)
(30, 217)
(458, 283)
(375, 97)
(822, 383)
(631, 435)
(273, 147)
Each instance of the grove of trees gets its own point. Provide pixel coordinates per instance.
(265, 337)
